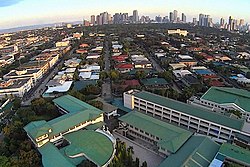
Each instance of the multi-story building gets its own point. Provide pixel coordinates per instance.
(15, 87)
(81, 127)
(193, 118)
(154, 131)
(178, 31)
(225, 100)
(135, 16)
(35, 74)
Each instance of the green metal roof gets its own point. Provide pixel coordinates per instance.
(154, 81)
(171, 137)
(60, 124)
(197, 151)
(52, 157)
(72, 104)
(235, 152)
(96, 146)
(79, 112)
(192, 110)
(222, 95)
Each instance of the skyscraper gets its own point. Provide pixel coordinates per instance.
(175, 15)
(105, 18)
(183, 18)
(201, 19)
(195, 21)
(92, 19)
(230, 23)
(242, 22)
(171, 17)
(222, 22)
(98, 20)
(135, 16)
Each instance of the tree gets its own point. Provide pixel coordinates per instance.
(167, 75)
(16, 103)
(248, 75)
(114, 75)
(144, 164)
(140, 74)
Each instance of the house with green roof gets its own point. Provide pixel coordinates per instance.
(46, 135)
(193, 118)
(166, 137)
(196, 152)
(229, 153)
(223, 99)
(154, 82)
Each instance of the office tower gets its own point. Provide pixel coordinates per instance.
(98, 20)
(183, 18)
(158, 19)
(105, 18)
(222, 22)
(195, 21)
(124, 17)
(92, 19)
(147, 19)
(171, 17)
(117, 18)
(242, 22)
(110, 19)
(165, 19)
(201, 19)
(143, 19)
(135, 16)
(230, 23)
(175, 15)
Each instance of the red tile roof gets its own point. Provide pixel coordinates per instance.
(124, 66)
(133, 82)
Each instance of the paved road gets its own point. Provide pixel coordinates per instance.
(38, 90)
(152, 159)
(106, 86)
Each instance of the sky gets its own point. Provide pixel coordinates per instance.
(15, 13)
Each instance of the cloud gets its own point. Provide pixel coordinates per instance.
(5, 3)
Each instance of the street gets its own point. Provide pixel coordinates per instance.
(40, 87)
(106, 86)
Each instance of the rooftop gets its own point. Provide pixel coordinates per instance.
(197, 151)
(171, 137)
(223, 95)
(154, 81)
(72, 104)
(236, 153)
(192, 110)
(94, 145)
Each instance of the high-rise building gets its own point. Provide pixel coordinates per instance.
(195, 21)
(171, 17)
(230, 23)
(201, 19)
(222, 23)
(242, 22)
(92, 19)
(158, 19)
(105, 18)
(98, 20)
(183, 18)
(124, 17)
(135, 16)
(117, 18)
(175, 15)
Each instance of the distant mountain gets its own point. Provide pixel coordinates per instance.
(32, 27)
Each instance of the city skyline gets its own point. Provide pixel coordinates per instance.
(15, 13)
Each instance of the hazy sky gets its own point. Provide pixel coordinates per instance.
(15, 13)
